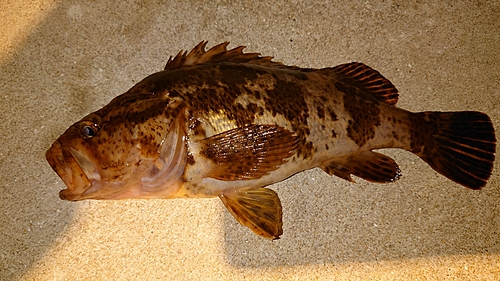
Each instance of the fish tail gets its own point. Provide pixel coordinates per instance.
(458, 145)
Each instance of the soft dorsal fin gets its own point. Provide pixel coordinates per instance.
(217, 54)
(368, 80)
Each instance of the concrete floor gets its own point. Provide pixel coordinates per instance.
(60, 60)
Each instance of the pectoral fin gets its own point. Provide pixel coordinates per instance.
(256, 208)
(369, 165)
(248, 152)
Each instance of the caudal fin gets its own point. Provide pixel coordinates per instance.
(459, 145)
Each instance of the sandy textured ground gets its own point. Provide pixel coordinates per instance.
(60, 60)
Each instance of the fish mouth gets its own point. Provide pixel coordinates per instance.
(66, 165)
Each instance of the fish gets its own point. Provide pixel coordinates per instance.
(226, 123)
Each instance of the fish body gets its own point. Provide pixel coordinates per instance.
(223, 123)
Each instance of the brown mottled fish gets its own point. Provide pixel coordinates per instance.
(227, 124)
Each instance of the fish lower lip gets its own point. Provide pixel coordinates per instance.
(65, 194)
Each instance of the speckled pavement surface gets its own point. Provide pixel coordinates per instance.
(60, 60)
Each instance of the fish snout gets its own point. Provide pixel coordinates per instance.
(53, 153)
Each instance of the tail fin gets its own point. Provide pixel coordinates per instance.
(459, 145)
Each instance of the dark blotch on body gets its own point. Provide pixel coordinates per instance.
(364, 111)
(418, 139)
(287, 99)
(333, 116)
(321, 112)
(334, 135)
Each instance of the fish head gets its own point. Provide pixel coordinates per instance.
(131, 148)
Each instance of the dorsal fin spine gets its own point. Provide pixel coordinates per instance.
(218, 54)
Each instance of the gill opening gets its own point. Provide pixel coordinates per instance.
(169, 166)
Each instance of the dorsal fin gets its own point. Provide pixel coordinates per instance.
(367, 79)
(217, 54)
(354, 73)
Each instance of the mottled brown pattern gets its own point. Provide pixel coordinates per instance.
(190, 159)
(196, 128)
(364, 111)
(226, 123)
(320, 111)
(195, 189)
(419, 140)
(333, 116)
(228, 81)
(288, 99)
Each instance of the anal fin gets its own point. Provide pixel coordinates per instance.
(256, 208)
(369, 165)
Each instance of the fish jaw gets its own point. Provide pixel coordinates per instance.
(65, 165)
(161, 178)
(78, 174)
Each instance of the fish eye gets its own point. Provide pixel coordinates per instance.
(88, 129)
